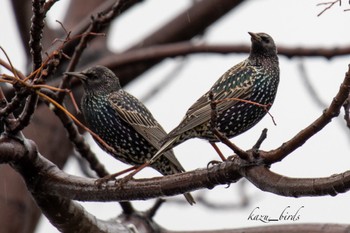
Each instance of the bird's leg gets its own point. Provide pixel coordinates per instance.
(136, 169)
(213, 121)
(216, 148)
(107, 178)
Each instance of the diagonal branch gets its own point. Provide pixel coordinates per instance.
(78, 140)
(298, 140)
(68, 216)
(98, 24)
(202, 14)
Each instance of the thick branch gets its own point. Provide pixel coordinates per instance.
(191, 22)
(69, 216)
(266, 180)
(156, 52)
(44, 178)
(285, 228)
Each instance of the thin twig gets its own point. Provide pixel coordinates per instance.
(18, 124)
(166, 80)
(264, 106)
(346, 107)
(94, 135)
(98, 23)
(48, 4)
(23, 119)
(309, 87)
(261, 139)
(330, 5)
(213, 121)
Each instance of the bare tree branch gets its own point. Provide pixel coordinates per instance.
(330, 5)
(298, 140)
(269, 181)
(157, 52)
(53, 190)
(287, 228)
(309, 87)
(347, 112)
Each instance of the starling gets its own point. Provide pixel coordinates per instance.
(123, 122)
(243, 95)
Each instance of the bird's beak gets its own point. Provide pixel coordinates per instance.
(78, 75)
(254, 36)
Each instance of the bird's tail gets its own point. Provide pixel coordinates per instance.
(166, 146)
(179, 169)
(189, 198)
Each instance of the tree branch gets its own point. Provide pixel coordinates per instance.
(285, 228)
(36, 32)
(266, 180)
(98, 24)
(156, 52)
(44, 178)
(346, 106)
(78, 140)
(298, 140)
(69, 216)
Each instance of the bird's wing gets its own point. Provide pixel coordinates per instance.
(135, 113)
(236, 88)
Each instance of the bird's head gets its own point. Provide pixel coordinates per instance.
(97, 80)
(262, 44)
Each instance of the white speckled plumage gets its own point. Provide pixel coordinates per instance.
(254, 80)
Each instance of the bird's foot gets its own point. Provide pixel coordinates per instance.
(213, 162)
(232, 157)
(104, 180)
(253, 161)
(129, 177)
(110, 177)
(122, 181)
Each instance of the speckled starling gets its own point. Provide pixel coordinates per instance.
(123, 122)
(240, 93)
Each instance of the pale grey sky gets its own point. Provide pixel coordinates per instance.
(290, 23)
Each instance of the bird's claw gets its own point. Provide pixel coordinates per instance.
(104, 180)
(118, 182)
(213, 162)
(232, 157)
(122, 181)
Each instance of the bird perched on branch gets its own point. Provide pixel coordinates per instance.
(243, 95)
(123, 122)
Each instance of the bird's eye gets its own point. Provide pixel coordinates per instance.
(90, 75)
(265, 39)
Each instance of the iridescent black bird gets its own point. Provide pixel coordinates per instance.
(240, 94)
(123, 122)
